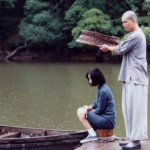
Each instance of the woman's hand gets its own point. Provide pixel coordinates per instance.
(85, 106)
(88, 107)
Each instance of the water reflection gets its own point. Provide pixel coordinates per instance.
(47, 95)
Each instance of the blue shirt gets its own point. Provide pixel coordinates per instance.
(104, 103)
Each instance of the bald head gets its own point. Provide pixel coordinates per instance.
(129, 20)
(130, 15)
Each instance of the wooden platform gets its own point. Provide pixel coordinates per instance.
(109, 146)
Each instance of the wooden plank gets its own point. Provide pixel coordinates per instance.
(60, 132)
(42, 139)
(145, 145)
(10, 135)
(109, 146)
(35, 130)
(20, 129)
(60, 145)
(90, 146)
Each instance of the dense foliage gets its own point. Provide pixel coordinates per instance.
(7, 3)
(5, 24)
(42, 24)
(93, 20)
(54, 25)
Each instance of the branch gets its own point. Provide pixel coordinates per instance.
(57, 5)
(12, 54)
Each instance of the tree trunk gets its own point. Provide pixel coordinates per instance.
(12, 54)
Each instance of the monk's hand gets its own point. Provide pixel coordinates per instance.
(104, 47)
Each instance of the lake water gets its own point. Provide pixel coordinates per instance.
(47, 95)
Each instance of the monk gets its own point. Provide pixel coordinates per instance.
(134, 78)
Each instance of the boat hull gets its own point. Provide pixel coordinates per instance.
(18, 138)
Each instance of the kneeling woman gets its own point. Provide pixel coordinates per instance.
(102, 113)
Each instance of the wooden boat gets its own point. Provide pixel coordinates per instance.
(21, 138)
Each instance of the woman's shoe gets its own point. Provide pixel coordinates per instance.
(89, 139)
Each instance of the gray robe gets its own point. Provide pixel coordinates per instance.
(133, 74)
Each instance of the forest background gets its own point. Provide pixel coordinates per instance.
(47, 29)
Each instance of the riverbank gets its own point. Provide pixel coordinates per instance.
(95, 56)
(69, 57)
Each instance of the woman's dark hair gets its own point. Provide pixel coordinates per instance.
(97, 77)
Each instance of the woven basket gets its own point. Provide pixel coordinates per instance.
(104, 133)
(95, 39)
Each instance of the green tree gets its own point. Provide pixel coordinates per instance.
(113, 9)
(74, 13)
(146, 30)
(55, 24)
(6, 25)
(42, 30)
(33, 7)
(7, 4)
(93, 20)
(40, 26)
